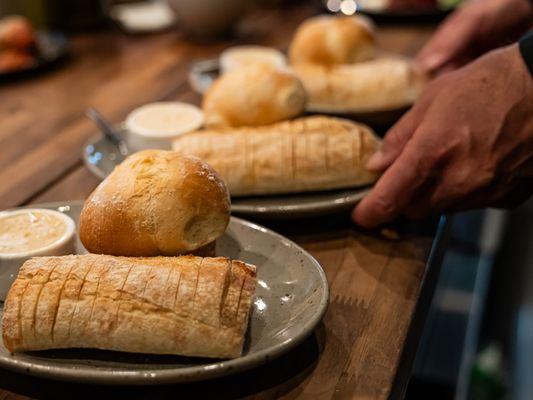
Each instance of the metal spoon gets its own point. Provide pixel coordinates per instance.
(107, 129)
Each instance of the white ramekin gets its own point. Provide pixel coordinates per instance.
(10, 263)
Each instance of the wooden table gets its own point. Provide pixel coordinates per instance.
(380, 288)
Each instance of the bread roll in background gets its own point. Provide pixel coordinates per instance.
(252, 96)
(377, 85)
(237, 57)
(305, 154)
(155, 203)
(331, 40)
(16, 33)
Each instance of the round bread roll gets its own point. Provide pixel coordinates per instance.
(331, 40)
(237, 57)
(252, 96)
(16, 33)
(155, 203)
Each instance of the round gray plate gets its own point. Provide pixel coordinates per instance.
(101, 157)
(203, 73)
(290, 300)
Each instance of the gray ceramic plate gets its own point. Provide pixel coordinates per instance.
(291, 298)
(101, 157)
(203, 73)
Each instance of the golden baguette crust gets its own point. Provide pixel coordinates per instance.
(312, 153)
(377, 85)
(184, 305)
(155, 203)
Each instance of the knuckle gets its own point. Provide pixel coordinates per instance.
(428, 162)
(392, 138)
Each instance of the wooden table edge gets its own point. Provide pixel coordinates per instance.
(425, 298)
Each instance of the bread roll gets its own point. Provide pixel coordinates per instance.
(377, 85)
(313, 153)
(16, 33)
(237, 57)
(165, 305)
(254, 95)
(155, 203)
(331, 40)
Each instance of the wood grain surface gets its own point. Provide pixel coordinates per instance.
(375, 282)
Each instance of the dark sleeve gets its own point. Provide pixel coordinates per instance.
(526, 49)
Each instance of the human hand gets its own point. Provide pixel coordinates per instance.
(468, 142)
(476, 27)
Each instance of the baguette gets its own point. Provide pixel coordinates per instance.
(306, 154)
(377, 85)
(184, 305)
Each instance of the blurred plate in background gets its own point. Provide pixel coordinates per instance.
(203, 73)
(397, 9)
(101, 157)
(51, 48)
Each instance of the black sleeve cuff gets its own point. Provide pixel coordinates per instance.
(526, 50)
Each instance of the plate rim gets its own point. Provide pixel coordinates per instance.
(108, 376)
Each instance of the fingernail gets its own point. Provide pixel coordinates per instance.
(359, 217)
(376, 161)
(431, 62)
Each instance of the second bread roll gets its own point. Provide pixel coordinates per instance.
(331, 40)
(253, 95)
(155, 203)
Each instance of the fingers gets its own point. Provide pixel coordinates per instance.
(396, 188)
(397, 137)
(449, 42)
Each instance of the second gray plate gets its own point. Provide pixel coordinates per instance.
(100, 156)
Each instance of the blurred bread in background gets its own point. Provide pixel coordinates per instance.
(15, 59)
(332, 40)
(16, 32)
(380, 84)
(252, 96)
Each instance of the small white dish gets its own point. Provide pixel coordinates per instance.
(155, 125)
(31, 233)
(236, 57)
